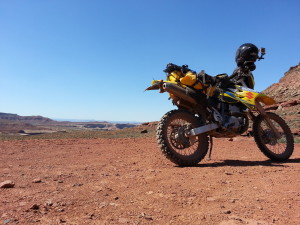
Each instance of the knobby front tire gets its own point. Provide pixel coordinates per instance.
(275, 148)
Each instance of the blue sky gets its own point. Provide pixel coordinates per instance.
(81, 59)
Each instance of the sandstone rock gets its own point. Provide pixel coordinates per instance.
(7, 184)
(271, 107)
(49, 202)
(6, 221)
(61, 221)
(232, 200)
(90, 216)
(145, 216)
(226, 211)
(35, 207)
(102, 205)
(228, 173)
(37, 180)
(280, 107)
(291, 103)
(211, 199)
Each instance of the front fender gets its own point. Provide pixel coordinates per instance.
(265, 99)
(250, 97)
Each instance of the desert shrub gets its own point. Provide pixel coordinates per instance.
(134, 132)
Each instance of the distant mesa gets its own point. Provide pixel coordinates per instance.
(28, 119)
(127, 125)
(32, 125)
(95, 126)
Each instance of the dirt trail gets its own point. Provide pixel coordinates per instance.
(128, 181)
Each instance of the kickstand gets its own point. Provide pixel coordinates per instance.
(210, 147)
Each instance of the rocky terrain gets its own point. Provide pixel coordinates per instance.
(288, 87)
(129, 181)
(287, 93)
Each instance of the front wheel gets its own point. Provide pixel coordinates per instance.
(173, 142)
(276, 147)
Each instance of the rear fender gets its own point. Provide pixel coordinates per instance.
(158, 85)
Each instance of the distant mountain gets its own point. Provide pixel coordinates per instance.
(13, 123)
(33, 120)
(86, 121)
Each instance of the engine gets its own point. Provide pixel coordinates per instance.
(233, 123)
(234, 120)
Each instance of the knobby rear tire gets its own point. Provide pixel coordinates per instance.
(275, 149)
(166, 130)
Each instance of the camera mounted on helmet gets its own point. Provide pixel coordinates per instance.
(246, 56)
(262, 53)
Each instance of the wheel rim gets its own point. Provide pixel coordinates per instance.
(269, 139)
(180, 143)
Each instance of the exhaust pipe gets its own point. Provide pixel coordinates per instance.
(180, 92)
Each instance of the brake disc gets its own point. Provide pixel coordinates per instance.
(181, 136)
(269, 137)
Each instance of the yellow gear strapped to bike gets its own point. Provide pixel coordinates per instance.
(174, 76)
(190, 79)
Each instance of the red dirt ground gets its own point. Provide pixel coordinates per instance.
(128, 181)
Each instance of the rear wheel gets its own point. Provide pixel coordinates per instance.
(173, 142)
(276, 147)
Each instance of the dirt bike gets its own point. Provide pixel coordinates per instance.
(206, 111)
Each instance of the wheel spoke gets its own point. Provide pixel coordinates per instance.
(179, 147)
(273, 136)
(275, 144)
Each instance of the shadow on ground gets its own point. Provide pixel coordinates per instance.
(244, 163)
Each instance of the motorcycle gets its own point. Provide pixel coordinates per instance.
(207, 109)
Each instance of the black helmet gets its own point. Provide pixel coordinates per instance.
(246, 54)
